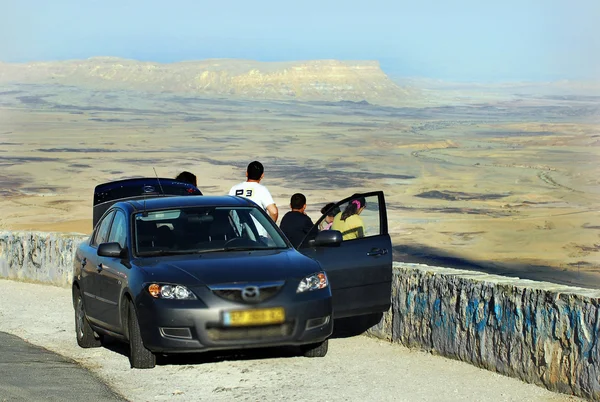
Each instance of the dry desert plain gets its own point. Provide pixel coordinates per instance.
(509, 185)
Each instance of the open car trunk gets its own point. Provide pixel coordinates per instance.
(107, 194)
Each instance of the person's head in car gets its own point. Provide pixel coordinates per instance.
(187, 177)
(330, 210)
(355, 207)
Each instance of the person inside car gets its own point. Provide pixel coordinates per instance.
(331, 210)
(296, 224)
(349, 222)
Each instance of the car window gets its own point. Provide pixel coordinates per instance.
(101, 234)
(203, 229)
(358, 218)
(118, 230)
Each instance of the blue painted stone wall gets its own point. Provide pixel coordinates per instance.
(542, 333)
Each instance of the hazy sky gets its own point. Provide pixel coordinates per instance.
(491, 40)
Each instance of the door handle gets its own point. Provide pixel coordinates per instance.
(99, 268)
(83, 262)
(377, 251)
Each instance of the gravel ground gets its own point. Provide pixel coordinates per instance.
(355, 369)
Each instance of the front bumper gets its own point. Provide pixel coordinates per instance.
(174, 326)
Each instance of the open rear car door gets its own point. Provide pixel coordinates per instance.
(359, 269)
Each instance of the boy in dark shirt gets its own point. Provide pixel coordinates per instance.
(296, 224)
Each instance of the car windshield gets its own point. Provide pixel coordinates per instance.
(203, 230)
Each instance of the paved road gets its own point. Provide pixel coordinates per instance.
(31, 373)
(355, 369)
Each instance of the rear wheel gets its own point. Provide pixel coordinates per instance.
(139, 356)
(316, 349)
(85, 334)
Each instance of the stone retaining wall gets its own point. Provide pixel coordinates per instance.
(540, 332)
(38, 256)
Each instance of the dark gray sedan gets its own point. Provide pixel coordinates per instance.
(173, 273)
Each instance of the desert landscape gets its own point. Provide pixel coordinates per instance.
(504, 179)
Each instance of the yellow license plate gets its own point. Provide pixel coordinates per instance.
(264, 316)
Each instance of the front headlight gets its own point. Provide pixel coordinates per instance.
(313, 282)
(177, 292)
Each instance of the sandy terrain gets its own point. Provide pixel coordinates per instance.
(356, 369)
(512, 185)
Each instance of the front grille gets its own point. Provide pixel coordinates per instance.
(235, 295)
(250, 333)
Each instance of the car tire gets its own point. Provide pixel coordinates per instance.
(316, 349)
(86, 338)
(139, 356)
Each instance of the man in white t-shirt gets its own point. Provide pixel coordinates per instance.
(255, 191)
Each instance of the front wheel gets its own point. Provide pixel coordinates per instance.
(316, 349)
(139, 356)
(85, 334)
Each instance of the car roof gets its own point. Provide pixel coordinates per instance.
(188, 201)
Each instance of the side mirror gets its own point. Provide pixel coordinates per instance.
(113, 250)
(327, 238)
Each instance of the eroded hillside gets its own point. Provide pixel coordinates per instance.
(324, 80)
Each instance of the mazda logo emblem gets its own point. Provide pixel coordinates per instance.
(250, 293)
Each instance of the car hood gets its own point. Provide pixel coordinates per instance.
(230, 267)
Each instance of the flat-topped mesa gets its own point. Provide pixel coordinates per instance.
(325, 80)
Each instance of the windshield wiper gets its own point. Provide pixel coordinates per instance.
(155, 253)
(222, 249)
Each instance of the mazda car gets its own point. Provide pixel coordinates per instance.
(169, 270)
